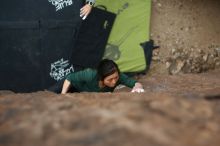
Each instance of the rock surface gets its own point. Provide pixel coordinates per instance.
(174, 111)
(179, 110)
(193, 61)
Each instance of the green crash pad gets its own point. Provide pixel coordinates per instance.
(131, 27)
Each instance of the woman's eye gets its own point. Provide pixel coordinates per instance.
(112, 80)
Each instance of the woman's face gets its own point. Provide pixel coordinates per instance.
(111, 80)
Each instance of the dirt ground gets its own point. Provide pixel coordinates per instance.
(188, 24)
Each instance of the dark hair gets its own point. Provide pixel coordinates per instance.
(106, 68)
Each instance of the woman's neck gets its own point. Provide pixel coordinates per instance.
(101, 84)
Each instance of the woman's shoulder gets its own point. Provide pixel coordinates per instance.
(90, 73)
(90, 70)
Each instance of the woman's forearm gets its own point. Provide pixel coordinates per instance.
(66, 86)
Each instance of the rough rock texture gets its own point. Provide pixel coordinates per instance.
(174, 111)
(180, 110)
(189, 35)
(192, 61)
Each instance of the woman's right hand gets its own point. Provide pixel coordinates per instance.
(85, 10)
(138, 88)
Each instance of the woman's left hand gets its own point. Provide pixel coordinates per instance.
(85, 10)
(138, 88)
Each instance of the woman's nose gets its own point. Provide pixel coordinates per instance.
(114, 81)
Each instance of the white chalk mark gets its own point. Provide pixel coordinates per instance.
(60, 69)
(60, 4)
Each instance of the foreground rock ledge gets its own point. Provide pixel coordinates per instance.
(174, 111)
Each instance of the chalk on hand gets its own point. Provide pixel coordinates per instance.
(84, 17)
(138, 90)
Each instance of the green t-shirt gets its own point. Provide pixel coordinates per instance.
(87, 80)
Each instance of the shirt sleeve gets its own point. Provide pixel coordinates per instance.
(93, 1)
(125, 80)
(81, 76)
